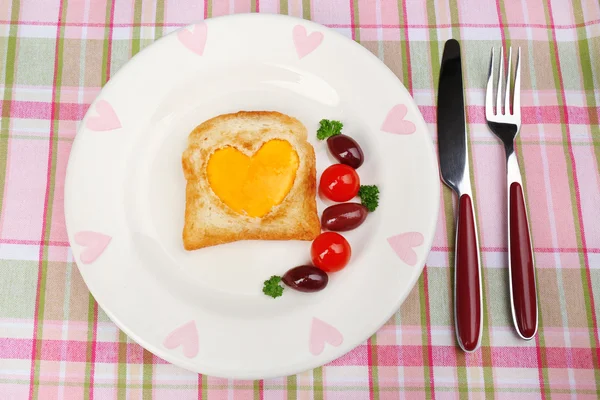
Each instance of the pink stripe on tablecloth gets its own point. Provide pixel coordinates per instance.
(241, 6)
(529, 114)
(42, 110)
(387, 355)
(34, 242)
(537, 249)
(370, 367)
(15, 348)
(476, 114)
(73, 350)
(330, 25)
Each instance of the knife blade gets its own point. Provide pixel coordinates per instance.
(454, 169)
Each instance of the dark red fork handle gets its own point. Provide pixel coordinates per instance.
(467, 278)
(521, 266)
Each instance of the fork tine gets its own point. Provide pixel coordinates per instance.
(489, 94)
(507, 86)
(500, 80)
(517, 90)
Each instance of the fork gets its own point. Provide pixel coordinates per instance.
(506, 123)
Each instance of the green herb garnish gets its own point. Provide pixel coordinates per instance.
(369, 196)
(329, 128)
(272, 287)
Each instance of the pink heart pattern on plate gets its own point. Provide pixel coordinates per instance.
(320, 333)
(395, 122)
(94, 244)
(194, 40)
(304, 42)
(403, 245)
(106, 120)
(185, 336)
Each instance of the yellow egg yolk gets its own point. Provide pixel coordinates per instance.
(253, 185)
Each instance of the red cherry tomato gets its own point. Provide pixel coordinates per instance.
(330, 251)
(339, 182)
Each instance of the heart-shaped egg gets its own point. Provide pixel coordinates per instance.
(253, 185)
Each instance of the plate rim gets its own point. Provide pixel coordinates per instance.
(429, 233)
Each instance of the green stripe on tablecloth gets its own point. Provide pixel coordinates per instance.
(306, 14)
(136, 31)
(147, 359)
(209, 8)
(424, 333)
(30, 137)
(403, 45)
(317, 383)
(9, 79)
(89, 349)
(354, 19)
(105, 62)
(53, 149)
(543, 355)
(159, 19)
(256, 388)
(291, 387)
(202, 389)
(373, 373)
(122, 366)
(283, 7)
(588, 86)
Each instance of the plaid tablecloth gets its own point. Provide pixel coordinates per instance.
(56, 343)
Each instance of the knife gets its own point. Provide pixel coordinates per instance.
(454, 167)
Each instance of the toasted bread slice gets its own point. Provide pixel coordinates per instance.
(209, 220)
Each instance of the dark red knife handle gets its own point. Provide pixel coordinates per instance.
(521, 265)
(467, 280)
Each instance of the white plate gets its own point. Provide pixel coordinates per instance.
(204, 310)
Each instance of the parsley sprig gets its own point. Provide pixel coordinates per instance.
(329, 128)
(369, 196)
(272, 287)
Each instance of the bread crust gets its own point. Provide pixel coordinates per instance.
(209, 221)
